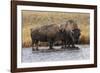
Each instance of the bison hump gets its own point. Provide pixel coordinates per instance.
(49, 30)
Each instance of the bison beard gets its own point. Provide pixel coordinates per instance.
(71, 38)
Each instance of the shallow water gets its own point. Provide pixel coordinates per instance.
(68, 54)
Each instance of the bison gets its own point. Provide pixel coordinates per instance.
(52, 33)
(70, 38)
(46, 33)
(71, 34)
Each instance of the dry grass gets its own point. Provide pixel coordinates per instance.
(33, 19)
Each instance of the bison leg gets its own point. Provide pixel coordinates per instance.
(36, 44)
(33, 46)
(68, 44)
(64, 44)
(73, 44)
(51, 45)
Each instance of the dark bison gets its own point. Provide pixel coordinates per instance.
(71, 34)
(52, 33)
(46, 33)
(70, 38)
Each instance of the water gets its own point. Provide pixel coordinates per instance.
(62, 55)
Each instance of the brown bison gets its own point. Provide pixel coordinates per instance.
(46, 33)
(69, 35)
(72, 34)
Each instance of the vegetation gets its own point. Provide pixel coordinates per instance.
(37, 19)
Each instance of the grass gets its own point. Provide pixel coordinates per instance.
(35, 19)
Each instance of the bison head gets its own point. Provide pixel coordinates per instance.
(76, 35)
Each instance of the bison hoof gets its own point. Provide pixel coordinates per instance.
(51, 49)
(73, 47)
(77, 48)
(33, 49)
(68, 47)
(63, 47)
(37, 49)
